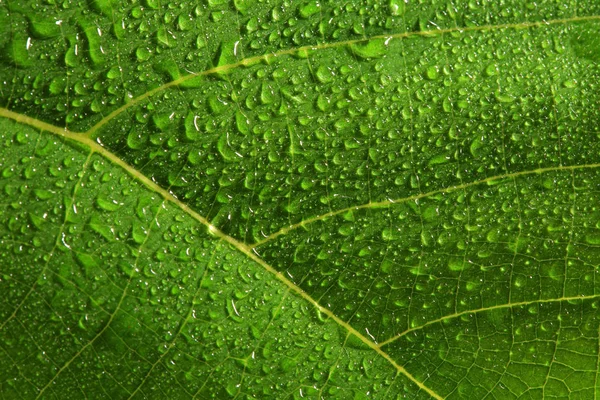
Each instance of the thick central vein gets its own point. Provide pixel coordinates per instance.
(242, 247)
(298, 50)
(86, 139)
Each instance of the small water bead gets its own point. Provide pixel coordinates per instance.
(267, 93)
(43, 194)
(185, 22)
(397, 7)
(71, 58)
(432, 73)
(375, 48)
(325, 73)
(143, 53)
(491, 70)
(593, 238)
(136, 140)
(43, 28)
(114, 72)
(107, 205)
(311, 8)
(217, 105)
(94, 46)
(165, 38)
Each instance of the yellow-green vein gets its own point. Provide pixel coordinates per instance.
(415, 197)
(255, 59)
(243, 248)
(483, 309)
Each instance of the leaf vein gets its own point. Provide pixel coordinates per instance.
(242, 247)
(483, 309)
(296, 50)
(450, 189)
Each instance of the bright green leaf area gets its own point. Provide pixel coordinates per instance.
(266, 199)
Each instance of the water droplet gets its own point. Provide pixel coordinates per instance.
(135, 139)
(192, 128)
(17, 52)
(432, 73)
(242, 122)
(491, 70)
(86, 260)
(227, 53)
(267, 94)
(138, 233)
(216, 105)
(72, 54)
(323, 103)
(108, 205)
(439, 159)
(93, 36)
(232, 311)
(113, 73)
(154, 4)
(43, 194)
(504, 98)
(225, 149)
(593, 239)
(142, 53)
(324, 74)
(165, 37)
(252, 25)
(99, 226)
(456, 265)
(375, 48)
(185, 22)
(520, 281)
(397, 7)
(105, 7)
(43, 28)
(311, 8)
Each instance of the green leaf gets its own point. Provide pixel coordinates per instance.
(266, 199)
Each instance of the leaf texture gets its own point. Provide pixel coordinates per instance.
(265, 199)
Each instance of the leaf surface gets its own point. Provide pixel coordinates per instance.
(266, 199)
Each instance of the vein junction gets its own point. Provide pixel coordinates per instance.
(245, 249)
(250, 250)
(87, 139)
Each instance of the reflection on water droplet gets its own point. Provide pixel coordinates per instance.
(593, 238)
(375, 48)
(432, 73)
(107, 205)
(311, 8)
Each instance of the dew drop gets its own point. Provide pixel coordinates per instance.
(242, 122)
(311, 8)
(397, 7)
(324, 74)
(107, 205)
(142, 53)
(593, 239)
(432, 73)
(192, 128)
(491, 70)
(375, 48)
(456, 265)
(86, 260)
